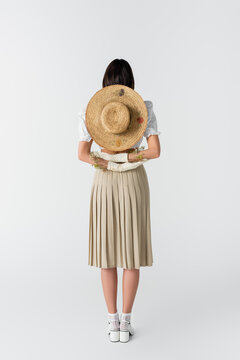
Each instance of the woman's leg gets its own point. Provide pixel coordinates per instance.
(109, 283)
(129, 286)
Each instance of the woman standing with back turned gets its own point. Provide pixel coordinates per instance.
(117, 118)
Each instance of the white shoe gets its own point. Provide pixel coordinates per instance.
(125, 330)
(113, 329)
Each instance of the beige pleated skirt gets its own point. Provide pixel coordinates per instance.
(119, 220)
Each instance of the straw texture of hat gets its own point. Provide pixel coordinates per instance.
(116, 117)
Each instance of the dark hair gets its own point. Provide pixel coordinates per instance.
(118, 72)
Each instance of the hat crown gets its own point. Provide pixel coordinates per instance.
(115, 117)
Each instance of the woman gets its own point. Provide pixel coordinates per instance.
(127, 215)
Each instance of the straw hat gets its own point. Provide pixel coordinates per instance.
(116, 117)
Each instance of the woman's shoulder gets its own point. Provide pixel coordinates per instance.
(83, 134)
(148, 103)
(82, 110)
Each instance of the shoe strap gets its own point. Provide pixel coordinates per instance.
(109, 321)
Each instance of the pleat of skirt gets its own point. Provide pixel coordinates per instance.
(119, 220)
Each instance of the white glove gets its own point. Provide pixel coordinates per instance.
(125, 166)
(121, 157)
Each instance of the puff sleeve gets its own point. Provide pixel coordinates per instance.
(83, 134)
(152, 126)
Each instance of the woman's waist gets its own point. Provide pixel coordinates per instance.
(117, 152)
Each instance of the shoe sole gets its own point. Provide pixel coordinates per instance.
(114, 336)
(124, 336)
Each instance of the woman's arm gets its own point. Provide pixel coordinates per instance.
(84, 149)
(153, 151)
(85, 143)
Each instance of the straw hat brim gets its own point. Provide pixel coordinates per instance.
(138, 117)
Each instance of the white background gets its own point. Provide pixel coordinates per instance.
(185, 57)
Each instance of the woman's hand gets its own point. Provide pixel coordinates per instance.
(132, 157)
(152, 152)
(99, 162)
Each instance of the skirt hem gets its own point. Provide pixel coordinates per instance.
(121, 266)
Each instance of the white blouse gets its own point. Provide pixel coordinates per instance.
(151, 129)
